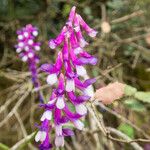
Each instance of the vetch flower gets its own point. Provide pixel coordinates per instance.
(69, 78)
(43, 135)
(26, 48)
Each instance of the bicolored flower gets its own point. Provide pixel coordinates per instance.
(69, 78)
(43, 135)
(26, 48)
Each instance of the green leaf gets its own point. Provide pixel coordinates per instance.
(116, 4)
(127, 129)
(143, 96)
(66, 9)
(71, 107)
(134, 105)
(3, 147)
(129, 90)
(87, 10)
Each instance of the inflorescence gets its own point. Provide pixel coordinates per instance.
(26, 48)
(69, 79)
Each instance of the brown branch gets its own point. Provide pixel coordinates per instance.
(23, 141)
(127, 17)
(123, 119)
(15, 107)
(107, 131)
(125, 137)
(134, 38)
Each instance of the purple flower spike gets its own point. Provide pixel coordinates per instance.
(69, 77)
(26, 48)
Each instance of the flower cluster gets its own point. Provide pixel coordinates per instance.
(72, 84)
(27, 47)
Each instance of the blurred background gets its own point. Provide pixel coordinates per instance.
(122, 47)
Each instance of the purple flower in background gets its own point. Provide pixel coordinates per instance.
(70, 80)
(26, 48)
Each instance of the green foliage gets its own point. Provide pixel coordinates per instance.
(127, 129)
(129, 90)
(134, 105)
(66, 10)
(3, 147)
(71, 107)
(143, 96)
(115, 4)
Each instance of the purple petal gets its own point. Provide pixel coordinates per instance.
(57, 116)
(59, 61)
(71, 115)
(85, 26)
(78, 32)
(61, 86)
(89, 82)
(73, 40)
(79, 84)
(84, 61)
(67, 132)
(46, 144)
(69, 73)
(72, 14)
(47, 67)
(65, 50)
(47, 106)
(64, 120)
(58, 40)
(77, 99)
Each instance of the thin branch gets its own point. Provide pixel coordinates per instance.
(125, 137)
(123, 119)
(127, 17)
(23, 141)
(15, 108)
(134, 38)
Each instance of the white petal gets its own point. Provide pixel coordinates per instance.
(30, 42)
(85, 77)
(60, 103)
(77, 28)
(26, 34)
(30, 55)
(59, 141)
(35, 33)
(81, 71)
(70, 85)
(78, 50)
(92, 33)
(46, 115)
(24, 58)
(37, 48)
(52, 79)
(43, 136)
(83, 43)
(52, 45)
(26, 48)
(20, 44)
(67, 34)
(58, 130)
(81, 109)
(89, 91)
(20, 37)
(38, 136)
(18, 50)
(78, 124)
